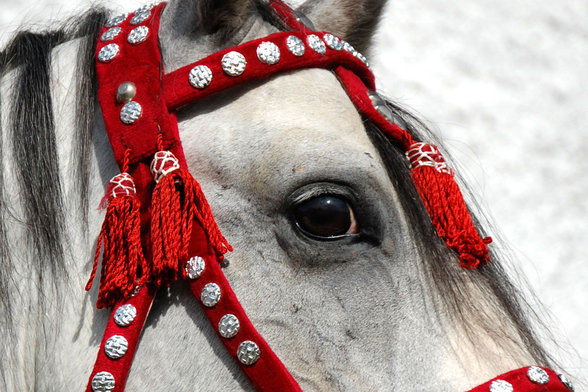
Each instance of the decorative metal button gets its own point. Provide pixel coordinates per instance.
(116, 346)
(210, 295)
(115, 21)
(140, 17)
(109, 34)
(194, 267)
(228, 326)
(564, 380)
(103, 382)
(200, 76)
(537, 375)
(501, 386)
(268, 53)
(130, 112)
(362, 58)
(333, 42)
(234, 63)
(248, 352)
(125, 92)
(125, 315)
(138, 35)
(348, 48)
(108, 52)
(316, 44)
(295, 45)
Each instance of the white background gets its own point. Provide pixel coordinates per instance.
(505, 84)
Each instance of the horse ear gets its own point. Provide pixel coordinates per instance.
(353, 20)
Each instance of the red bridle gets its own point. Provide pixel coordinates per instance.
(157, 214)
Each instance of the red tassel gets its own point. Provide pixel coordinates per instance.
(120, 237)
(445, 204)
(176, 203)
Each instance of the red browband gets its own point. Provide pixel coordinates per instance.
(148, 227)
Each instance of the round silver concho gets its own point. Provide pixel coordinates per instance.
(125, 315)
(268, 53)
(333, 42)
(108, 52)
(140, 17)
(234, 63)
(501, 386)
(130, 112)
(103, 382)
(194, 267)
(200, 76)
(109, 34)
(210, 295)
(248, 352)
(116, 346)
(316, 44)
(115, 21)
(228, 326)
(564, 380)
(537, 375)
(138, 34)
(295, 45)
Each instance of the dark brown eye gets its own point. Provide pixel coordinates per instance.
(325, 217)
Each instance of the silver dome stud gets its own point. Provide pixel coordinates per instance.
(138, 34)
(130, 112)
(194, 267)
(200, 76)
(537, 375)
(295, 45)
(210, 295)
(333, 42)
(564, 380)
(109, 34)
(228, 326)
(116, 346)
(501, 386)
(108, 52)
(115, 21)
(268, 53)
(248, 352)
(233, 63)
(103, 382)
(126, 92)
(125, 315)
(140, 17)
(316, 44)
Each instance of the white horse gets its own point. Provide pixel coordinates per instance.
(383, 306)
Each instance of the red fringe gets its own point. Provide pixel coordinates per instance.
(176, 202)
(123, 255)
(450, 215)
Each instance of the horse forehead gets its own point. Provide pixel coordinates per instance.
(303, 117)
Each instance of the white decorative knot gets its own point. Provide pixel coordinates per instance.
(163, 163)
(123, 185)
(422, 154)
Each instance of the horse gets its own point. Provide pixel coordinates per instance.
(376, 302)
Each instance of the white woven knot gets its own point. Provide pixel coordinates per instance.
(422, 154)
(163, 163)
(123, 185)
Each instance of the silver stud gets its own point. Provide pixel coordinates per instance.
(115, 21)
(109, 34)
(108, 52)
(210, 295)
(130, 112)
(234, 63)
(501, 386)
(116, 346)
(268, 53)
(125, 315)
(316, 44)
(140, 17)
(194, 267)
(125, 92)
(363, 59)
(138, 34)
(228, 326)
(295, 45)
(348, 48)
(103, 382)
(248, 352)
(144, 8)
(333, 42)
(564, 380)
(200, 76)
(537, 375)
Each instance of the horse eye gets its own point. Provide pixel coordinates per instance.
(325, 217)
